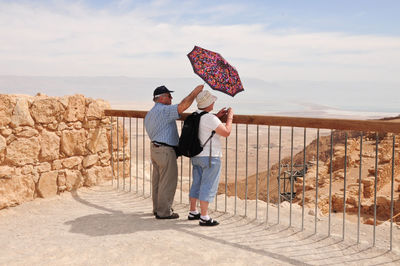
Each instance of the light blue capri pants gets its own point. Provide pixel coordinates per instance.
(205, 178)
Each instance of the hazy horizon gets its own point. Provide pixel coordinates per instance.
(294, 98)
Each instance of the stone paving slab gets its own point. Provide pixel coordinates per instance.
(104, 226)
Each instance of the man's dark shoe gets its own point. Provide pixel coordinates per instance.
(172, 216)
(155, 214)
(193, 216)
(209, 222)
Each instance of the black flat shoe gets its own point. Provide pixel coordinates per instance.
(209, 222)
(172, 216)
(193, 216)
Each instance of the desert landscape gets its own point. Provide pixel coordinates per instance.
(249, 165)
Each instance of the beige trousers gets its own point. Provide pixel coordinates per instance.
(164, 179)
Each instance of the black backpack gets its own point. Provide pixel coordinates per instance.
(189, 143)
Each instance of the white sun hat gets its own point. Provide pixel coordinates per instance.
(205, 99)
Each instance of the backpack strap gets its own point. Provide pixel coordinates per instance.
(209, 139)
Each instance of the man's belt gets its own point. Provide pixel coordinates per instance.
(159, 144)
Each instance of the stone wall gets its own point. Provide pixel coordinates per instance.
(49, 145)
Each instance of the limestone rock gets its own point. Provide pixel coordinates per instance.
(21, 115)
(71, 162)
(43, 167)
(26, 132)
(23, 151)
(96, 175)
(97, 140)
(73, 179)
(7, 104)
(50, 146)
(46, 110)
(47, 185)
(96, 109)
(6, 132)
(3, 145)
(6, 172)
(73, 142)
(90, 160)
(75, 109)
(27, 169)
(16, 190)
(57, 164)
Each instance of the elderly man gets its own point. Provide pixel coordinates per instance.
(160, 123)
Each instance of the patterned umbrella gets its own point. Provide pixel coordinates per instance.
(214, 70)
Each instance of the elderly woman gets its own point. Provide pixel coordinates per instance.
(207, 164)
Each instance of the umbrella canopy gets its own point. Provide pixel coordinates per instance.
(215, 71)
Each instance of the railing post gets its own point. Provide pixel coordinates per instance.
(247, 177)
(112, 151)
(344, 186)
(375, 185)
(137, 155)
(391, 194)
(257, 174)
(330, 185)
(359, 190)
(279, 174)
(123, 152)
(268, 172)
(130, 154)
(304, 179)
(316, 186)
(291, 177)
(117, 153)
(236, 167)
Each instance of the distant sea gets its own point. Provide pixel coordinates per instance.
(261, 96)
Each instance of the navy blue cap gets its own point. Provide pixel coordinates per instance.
(161, 90)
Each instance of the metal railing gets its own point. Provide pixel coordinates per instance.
(266, 153)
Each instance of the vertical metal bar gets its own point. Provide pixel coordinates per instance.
(304, 178)
(137, 155)
(112, 151)
(375, 185)
(144, 159)
(247, 165)
(130, 154)
(226, 173)
(257, 172)
(330, 186)
(150, 178)
(182, 170)
(359, 190)
(344, 186)
(391, 195)
(123, 152)
(316, 186)
(279, 174)
(268, 172)
(117, 154)
(236, 166)
(291, 177)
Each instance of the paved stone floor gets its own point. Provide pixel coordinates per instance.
(104, 226)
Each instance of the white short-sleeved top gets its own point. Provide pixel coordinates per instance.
(208, 123)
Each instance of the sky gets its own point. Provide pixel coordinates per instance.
(334, 45)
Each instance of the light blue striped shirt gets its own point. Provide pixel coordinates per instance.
(160, 123)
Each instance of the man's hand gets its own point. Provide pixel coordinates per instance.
(197, 90)
(188, 100)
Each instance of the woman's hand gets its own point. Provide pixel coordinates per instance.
(221, 113)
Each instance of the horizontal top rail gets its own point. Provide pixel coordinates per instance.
(288, 121)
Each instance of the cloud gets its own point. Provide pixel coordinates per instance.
(147, 40)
